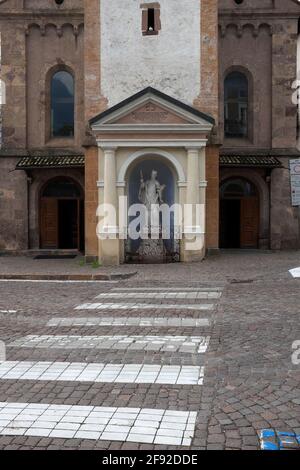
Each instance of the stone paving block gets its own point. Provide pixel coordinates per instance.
(253, 329)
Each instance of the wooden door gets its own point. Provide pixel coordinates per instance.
(49, 223)
(249, 222)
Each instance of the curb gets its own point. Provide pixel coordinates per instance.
(68, 277)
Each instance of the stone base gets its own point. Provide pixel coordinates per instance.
(152, 251)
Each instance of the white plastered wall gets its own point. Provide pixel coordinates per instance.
(169, 62)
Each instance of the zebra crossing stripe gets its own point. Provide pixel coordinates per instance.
(151, 426)
(140, 306)
(160, 295)
(180, 344)
(129, 321)
(102, 373)
(295, 272)
(169, 289)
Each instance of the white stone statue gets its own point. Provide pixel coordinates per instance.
(150, 194)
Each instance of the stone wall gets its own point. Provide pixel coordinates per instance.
(284, 217)
(91, 202)
(95, 103)
(13, 206)
(252, 55)
(207, 100)
(264, 46)
(284, 73)
(36, 36)
(50, 49)
(13, 72)
(212, 197)
(32, 45)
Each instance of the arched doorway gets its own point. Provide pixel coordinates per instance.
(239, 214)
(152, 251)
(61, 215)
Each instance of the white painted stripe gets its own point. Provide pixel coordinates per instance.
(181, 344)
(36, 281)
(169, 289)
(102, 373)
(129, 321)
(151, 426)
(136, 306)
(8, 311)
(160, 295)
(295, 272)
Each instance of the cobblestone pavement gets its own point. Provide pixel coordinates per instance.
(153, 394)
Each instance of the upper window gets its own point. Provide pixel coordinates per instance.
(151, 24)
(62, 104)
(236, 105)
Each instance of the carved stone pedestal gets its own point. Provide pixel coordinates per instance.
(152, 251)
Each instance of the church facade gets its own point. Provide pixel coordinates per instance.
(114, 103)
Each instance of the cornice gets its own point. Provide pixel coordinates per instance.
(41, 14)
(254, 14)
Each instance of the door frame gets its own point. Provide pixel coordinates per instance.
(80, 207)
(241, 198)
(258, 177)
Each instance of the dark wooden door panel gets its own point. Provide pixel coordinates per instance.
(49, 223)
(249, 222)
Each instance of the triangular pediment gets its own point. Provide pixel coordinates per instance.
(151, 109)
(152, 113)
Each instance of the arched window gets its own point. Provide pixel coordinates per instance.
(236, 105)
(62, 104)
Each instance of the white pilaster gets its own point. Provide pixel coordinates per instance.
(194, 223)
(110, 179)
(109, 244)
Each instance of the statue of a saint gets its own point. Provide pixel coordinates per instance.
(150, 194)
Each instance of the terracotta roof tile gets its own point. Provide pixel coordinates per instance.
(246, 160)
(69, 161)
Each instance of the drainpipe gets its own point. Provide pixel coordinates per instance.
(29, 181)
(299, 227)
(298, 121)
(269, 183)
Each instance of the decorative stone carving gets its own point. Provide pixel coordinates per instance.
(152, 251)
(151, 113)
(240, 27)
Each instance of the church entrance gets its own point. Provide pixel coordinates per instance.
(151, 183)
(239, 214)
(62, 215)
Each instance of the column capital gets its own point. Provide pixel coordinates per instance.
(193, 151)
(109, 148)
(195, 147)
